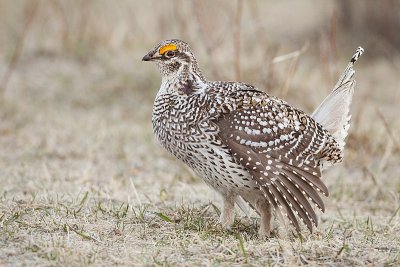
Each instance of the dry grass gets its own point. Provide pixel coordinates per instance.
(82, 181)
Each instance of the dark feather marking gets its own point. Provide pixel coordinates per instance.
(308, 189)
(283, 202)
(300, 198)
(315, 180)
(295, 205)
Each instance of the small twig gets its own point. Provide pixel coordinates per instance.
(292, 69)
(387, 154)
(236, 38)
(374, 179)
(372, 175)
(388, 129)
(291, 55)
(135, 192)
(30, 14)
(394, 215)
(269, 79)
(205, 209)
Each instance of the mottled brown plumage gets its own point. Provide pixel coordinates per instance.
(245, 143)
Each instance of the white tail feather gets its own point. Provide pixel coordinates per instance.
(333, 112)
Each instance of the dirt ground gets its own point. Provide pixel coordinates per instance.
(83, 181)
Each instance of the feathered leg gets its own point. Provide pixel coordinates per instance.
(264, 208)
(261, 204)
(228, 211)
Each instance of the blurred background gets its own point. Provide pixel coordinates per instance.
(76, 99)
(76, 141)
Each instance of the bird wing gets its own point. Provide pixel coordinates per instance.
(279, 146)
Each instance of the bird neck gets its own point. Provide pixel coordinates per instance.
(186, 81)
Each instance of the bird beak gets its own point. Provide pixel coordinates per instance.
(149, 56)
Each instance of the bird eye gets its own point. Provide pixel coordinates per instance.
(170, 53)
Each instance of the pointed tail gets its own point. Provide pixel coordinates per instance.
(333, 112)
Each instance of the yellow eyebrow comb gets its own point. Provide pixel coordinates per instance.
(168, 47)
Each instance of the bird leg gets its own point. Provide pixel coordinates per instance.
(264, 208)
(228, 212)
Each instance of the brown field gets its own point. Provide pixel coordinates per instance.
(83, 182)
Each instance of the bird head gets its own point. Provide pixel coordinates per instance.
(171, 56)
